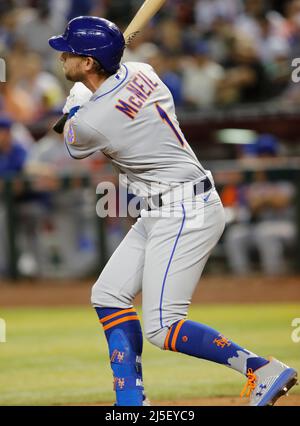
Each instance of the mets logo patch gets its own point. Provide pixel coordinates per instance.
(71, 136)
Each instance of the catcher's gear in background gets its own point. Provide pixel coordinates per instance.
(94, 37)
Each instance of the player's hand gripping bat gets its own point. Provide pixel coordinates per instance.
(142, 17)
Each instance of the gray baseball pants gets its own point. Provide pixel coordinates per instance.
(162, 256)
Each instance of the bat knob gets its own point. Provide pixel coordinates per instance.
(60, 124)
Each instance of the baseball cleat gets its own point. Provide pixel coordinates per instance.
(268, 383)
(146, 403)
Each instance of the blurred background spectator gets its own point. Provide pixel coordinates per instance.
(209, 53)
(201, 78)
(264, 219)
(12, 161)
(225, 62)
(12, 154)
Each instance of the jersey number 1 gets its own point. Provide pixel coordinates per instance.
(164, 116)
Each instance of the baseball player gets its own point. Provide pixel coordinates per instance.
(125, 111)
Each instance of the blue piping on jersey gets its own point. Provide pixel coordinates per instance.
(169, 264)
(72, 156)
(121, 82)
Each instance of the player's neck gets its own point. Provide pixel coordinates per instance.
(93, 82)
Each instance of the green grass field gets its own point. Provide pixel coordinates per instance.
(57, 356)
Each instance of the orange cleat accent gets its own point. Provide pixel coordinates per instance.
(250, 385)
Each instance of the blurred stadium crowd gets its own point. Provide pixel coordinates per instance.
(210, 53)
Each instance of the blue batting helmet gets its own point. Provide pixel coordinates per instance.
(94, 37)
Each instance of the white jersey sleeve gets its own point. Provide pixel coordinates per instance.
(81, 139)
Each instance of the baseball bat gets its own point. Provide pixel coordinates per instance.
(142, 17)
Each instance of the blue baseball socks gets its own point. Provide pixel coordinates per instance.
(201, 341)
(125, 341)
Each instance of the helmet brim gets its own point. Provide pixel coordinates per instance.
(59, 43)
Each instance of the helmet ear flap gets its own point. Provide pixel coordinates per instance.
(98, 68)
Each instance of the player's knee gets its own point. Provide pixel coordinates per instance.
(156, 337)
(98, 296)
(103, 297)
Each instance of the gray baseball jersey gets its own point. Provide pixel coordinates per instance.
(131, 119)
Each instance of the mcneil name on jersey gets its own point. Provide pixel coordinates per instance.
(141, 87)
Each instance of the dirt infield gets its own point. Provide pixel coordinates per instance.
(291, 400)
(211, 289)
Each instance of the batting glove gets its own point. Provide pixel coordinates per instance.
(79, 95)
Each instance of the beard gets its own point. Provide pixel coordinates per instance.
(74, 77)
